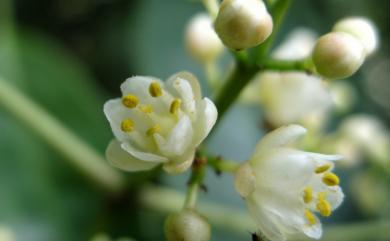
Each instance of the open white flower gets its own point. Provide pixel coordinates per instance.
(283, 187)
(290, 97)
(158, 123)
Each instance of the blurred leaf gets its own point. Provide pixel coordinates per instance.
(51, 202)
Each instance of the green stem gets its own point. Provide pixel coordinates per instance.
(212, 75)
(221, 165)
(218, 163)
(238, 221)
(212, 7)
(76, 151)
(278, 11)
(288, 65)
(196, 179)
(191, 196)
(239, 78)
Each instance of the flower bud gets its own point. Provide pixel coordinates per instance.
(338, 55)
(187, 225)
(362, 29)
(243, 24)
(201, 40)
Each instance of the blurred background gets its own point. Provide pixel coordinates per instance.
(71, 56)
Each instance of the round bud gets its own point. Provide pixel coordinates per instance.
(243, 24)
(338, 55)
(187, 225)
(201, 40)
(362, 29)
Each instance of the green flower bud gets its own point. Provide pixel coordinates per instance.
(187, 225)
(243, 24)
(338, 55)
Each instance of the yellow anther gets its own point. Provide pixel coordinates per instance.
(130, 101)
(155, 89)
(324, 207)
(307, 194)
(147, 109)
(127, 125)
(175, 105)
(322, 195)
(322, 168)
(310, 217)
(154, 129)
(330, 179)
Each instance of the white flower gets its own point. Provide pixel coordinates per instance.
(283, 187)
(290, 97)
(158, 123)
(201, 40)
(366, 134)
(362, 29)
(298, 45)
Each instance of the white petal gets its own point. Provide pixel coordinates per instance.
(139, 85)
(324, 157)
(266, 225)
(283, 209)
(180, 165)
(283, 169)
(115, 114)
(280, 137)
(207, 116)
(179, 140)
(117, 157)
(190, 78)
(245, 180)
(144, 156)
(313, 231)
(335, 197)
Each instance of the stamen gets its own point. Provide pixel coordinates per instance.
(130, 101)
(310, 217)
(155, 89)
(127, 125)
(330, 179)
(307, 194)
(322, 168)
(175, 105)
(154, 129)
(324, 207)
(147, 109)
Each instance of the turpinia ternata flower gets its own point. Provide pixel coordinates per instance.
(284, 187)
(291, 97)
(158, 123)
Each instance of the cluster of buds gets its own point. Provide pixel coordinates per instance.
(340, 53)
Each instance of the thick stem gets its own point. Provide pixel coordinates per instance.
(239, 78)
(77, 152)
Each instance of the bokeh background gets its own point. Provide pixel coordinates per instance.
(71, 56)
